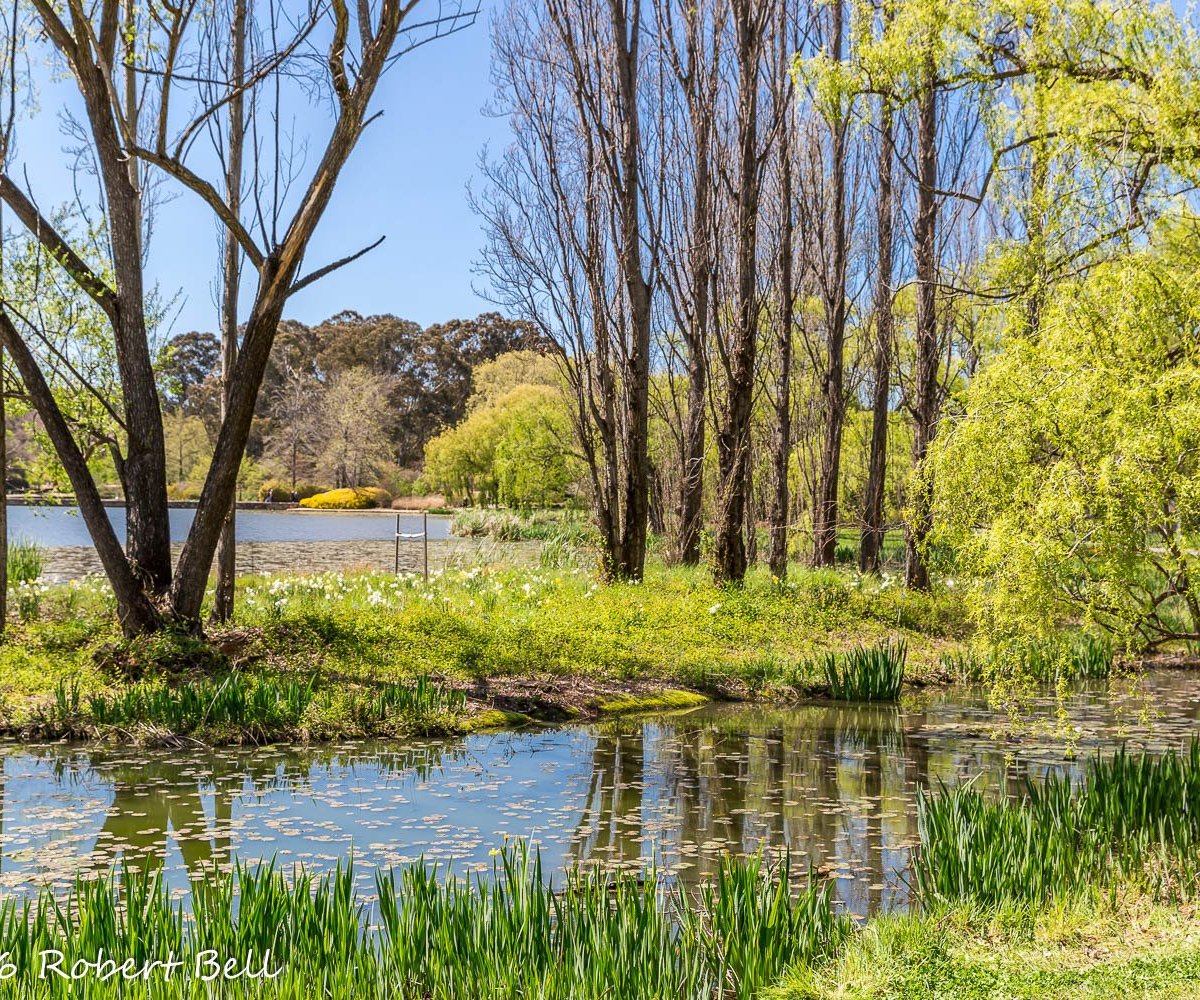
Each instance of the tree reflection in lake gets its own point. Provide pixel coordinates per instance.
(833, 786)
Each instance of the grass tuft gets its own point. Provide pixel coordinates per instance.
(869, 673)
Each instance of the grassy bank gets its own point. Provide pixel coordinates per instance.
(1082, 949)
(589, 648)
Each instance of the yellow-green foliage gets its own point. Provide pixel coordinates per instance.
(349, 498)
(515, 449)
(1070, 484)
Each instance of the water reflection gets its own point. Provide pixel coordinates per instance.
(835, 788)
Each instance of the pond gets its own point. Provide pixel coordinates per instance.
(63, 526)
(834, 786)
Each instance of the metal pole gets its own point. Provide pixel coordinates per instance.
(425, 540)
(397, 567)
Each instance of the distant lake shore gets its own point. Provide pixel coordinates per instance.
(56, 525)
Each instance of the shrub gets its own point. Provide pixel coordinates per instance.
(349, 498)
(183, 491)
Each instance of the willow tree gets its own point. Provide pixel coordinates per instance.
(1069, 485)
(142, 107)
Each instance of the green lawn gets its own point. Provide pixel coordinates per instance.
(676, 628)
(1067, 951)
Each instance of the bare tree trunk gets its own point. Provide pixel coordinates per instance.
(825, 507)
(691, 501)
(733, 437)
(222, 609)
(627, 34)
(925, 389)
(871, 545)
(778, 512)
(701, 99)
(3, 499)
(134, 609)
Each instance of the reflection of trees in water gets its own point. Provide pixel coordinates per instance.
(815, 783)
(611, 825)
(163, 795)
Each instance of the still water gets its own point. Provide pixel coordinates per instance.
(62, 526)
(835, 786)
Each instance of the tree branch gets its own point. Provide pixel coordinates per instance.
(58, 248)
(197, 184)
(321, 272)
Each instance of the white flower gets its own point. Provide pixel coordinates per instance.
(714, 609)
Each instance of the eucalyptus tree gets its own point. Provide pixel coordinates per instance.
(133, 67)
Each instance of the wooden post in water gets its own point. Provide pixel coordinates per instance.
(425, 540)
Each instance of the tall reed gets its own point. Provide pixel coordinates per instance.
(1133, 816)
(509, 936)
(869, 673)
(26, 560)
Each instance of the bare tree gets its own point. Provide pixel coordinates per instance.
(130, 63)
(568, 246)
(10, 30)
(788, 43)
(690, 38)
(871, 544)
(231, 269)
(738, 335)
(834, 295)
(294, 423)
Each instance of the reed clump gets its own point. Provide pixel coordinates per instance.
(1081, 657)
(512, 935)
(1131, 817)
(868, 673)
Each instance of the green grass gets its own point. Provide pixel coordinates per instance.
(1131, 816)
(677, 629)
(593, 934)
(243, 708)
(1086, 949)
(869, 673)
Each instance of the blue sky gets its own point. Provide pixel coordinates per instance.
(406, 181)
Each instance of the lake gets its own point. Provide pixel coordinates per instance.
(63, 526)
(834, 786)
